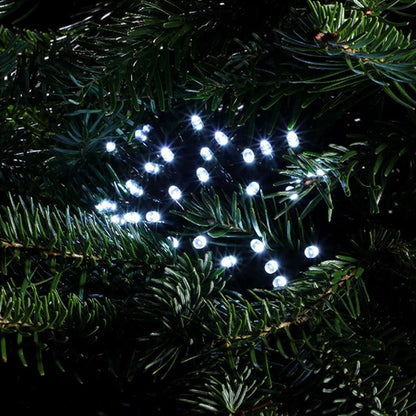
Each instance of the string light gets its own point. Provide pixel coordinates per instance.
(248, 155)
(151, 167)
(206, 153)
(116, 219)
(106, 205)
(228, 261)
(132, 217)
(174, 241)
(140, 135)
(146, 128)
(202, 174)
(134, 188)
(294, 197)
(153, 216)
(199, 242)
(167, 154)
(257, 246)
(311, 252)
(279, 281)
(110, 146)
(292, 139)
(271, 266)
(320, 172)
(266, 148)
(197, 123)
(252, 188)
(174, 192)
(221, 138)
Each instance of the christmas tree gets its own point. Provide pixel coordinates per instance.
(207, 207)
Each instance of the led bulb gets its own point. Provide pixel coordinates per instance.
(146, 128)
(311, 252)
(152, 216)
(279, 281)
(132, 217)
(320, 172)
(206, 153)
(197, 123)
(292, 139)
(271, 266)
(248, 155)
(174, 241)
(167, 154)
(257, 246)
(252, 188)
(294, 197)
(151, 167)
(266, 148)
(174, 192)
(199, 242)
(141, 135)
(221, 138)
(134, 188)
(115, 219)
(228, 261)
(202, 174)
(110, 146)
(106, 205)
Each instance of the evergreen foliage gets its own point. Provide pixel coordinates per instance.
(99, 318)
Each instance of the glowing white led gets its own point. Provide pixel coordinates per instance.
(206, 153)
(320, 172)
(116, 219)
(151, 167)
(266, 148)
(174, 241)
(132, 217)
(197, 123)
(248, 155)
(228, 261)
(294, 197)
(134, 188)
(221, 138)
(288, 188)
(257, 246)
(152, 216)
(110, 146)
(252, 188)
(279, 281)
(271, 266)
(167, 154)
(199, 242)
(106, 205)
(174, 192)
(311, 252)
(292, 139)
(202, 174)
(140, 135)
(146, 128)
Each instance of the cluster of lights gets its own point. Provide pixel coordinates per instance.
(200, 242)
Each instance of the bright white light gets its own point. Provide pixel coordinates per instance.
(106, 205)
(152, 216)
(132, 217)
(228, 261)
(292, 139)
(151, 167)
(167, 154)
(206, 153)
(252, 188)
(174, 241)
(134, 188)
(140, 135)
(202, 174)
(199, 242)
(248, 156)
(279, 281)
(257, 246)
(116, 219)
(294, 197)
(174, 192)
(271, 266)
(221, 138)
(320, 172)
(197, 123)
(288, 188)
(146, 128)
(311, 252)
(110, 146)
(266, 148)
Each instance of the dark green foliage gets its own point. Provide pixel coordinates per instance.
(153, 330)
